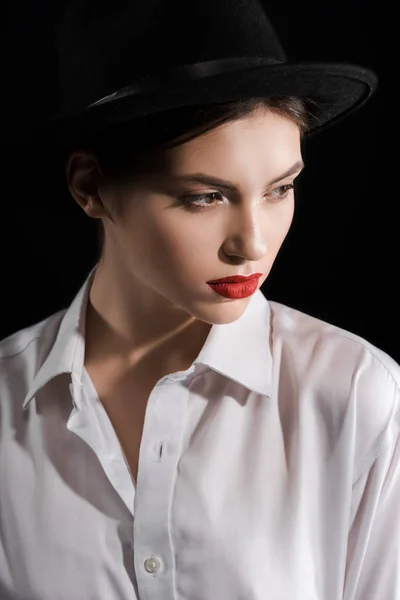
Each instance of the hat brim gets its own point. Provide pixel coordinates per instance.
(338, 90)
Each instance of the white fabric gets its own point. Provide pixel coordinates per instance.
(269, 470)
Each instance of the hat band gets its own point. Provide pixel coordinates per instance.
(191, 72)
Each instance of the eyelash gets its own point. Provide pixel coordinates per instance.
(188, 201)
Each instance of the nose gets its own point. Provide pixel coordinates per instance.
(246, 238)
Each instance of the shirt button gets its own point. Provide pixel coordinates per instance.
(152, 564)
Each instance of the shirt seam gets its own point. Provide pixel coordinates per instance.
(377, 449)
(353, 337)
(43, 337)
(370, 350)
(39, 337)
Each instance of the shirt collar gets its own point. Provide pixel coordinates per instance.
(239, 350)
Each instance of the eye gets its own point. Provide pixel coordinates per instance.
(209, 200)
(193, 201)
(283, 191)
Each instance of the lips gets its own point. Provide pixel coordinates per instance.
(236, 278)
(237, 289)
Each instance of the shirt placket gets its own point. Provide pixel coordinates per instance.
(159, 455)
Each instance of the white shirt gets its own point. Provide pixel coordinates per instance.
(269, 470)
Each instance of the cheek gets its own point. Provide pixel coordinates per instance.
(185, 246)
(172, 245)
(287, 220)
(278, 226)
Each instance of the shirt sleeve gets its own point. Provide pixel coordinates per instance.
(373, 553)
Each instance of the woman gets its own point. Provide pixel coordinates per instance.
(168, 436)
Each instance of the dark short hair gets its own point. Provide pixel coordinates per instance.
(121, 152)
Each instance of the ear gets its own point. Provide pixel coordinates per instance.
(83, 176)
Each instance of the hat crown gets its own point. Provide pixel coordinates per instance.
(105, 45)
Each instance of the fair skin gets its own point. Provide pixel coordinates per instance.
(149, 291)
(150, 309)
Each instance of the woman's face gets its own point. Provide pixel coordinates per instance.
(173, 233)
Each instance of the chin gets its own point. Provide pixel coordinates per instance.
(223, 313)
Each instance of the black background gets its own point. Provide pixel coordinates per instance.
(339, 261)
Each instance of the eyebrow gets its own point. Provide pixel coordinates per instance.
(215, 181)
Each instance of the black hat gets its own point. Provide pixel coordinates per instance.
(124, 59)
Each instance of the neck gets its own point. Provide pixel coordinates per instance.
(124, 323)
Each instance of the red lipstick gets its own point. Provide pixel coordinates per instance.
(236, 278)
(237, 286)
